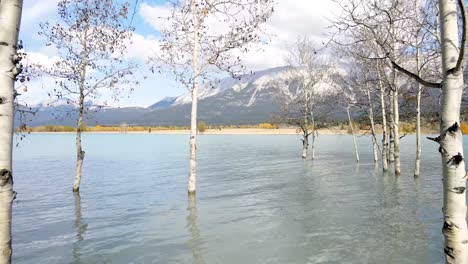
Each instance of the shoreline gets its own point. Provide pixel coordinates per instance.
(234, 131)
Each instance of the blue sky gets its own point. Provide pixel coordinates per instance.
(291, 18)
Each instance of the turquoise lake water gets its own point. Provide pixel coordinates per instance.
(257, 202)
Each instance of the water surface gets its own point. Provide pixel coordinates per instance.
(257, 202)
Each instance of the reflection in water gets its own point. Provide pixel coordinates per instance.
(262, 205)
(376, 169)
(195, 241)
(80, 229)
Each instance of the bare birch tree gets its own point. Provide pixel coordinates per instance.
(91, 38)
(351, 127)
(10, 17)
(450, 138)
(206, 36)
(309, 71)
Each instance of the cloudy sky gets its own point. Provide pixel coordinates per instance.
(291, 19)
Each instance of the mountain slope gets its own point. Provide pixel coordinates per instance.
(252, 98)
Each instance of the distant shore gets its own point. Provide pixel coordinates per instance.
(235, 131)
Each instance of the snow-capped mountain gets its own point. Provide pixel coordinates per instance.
(245, 91)
(252, 98)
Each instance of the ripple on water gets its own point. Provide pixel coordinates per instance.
(257, 202)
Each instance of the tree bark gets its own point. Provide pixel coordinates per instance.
(384, 121)
(305, 127)
(391, 149)
(354, 136)
(305, 145)
(396, 132)
(10, 15)
(371, 118)
(79, 126)
(193, 119)
(79, 150)
(417, 164)
(314, 135)
(451, 140)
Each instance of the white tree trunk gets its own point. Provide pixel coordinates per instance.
(305, 128)
(305, 144)
(314, 135)
(391, 149)
(79, 150)
(384, 121)
(371, 118)
(10, 17)
(396, 132)
(193, 120)
(417, 164)
(451, 141)
(354, 136)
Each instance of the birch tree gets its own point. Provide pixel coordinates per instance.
(91, 38)
(351, 127)
(202, 38)
(384, 118)
(309, 71)
(10, 17)
(380, 23)
(450, 139)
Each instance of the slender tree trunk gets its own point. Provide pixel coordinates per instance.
(371, 118)
(193, 120)
(396, 132)
(305, 128)
(10, 17)
(79, 150)
(384, 121)
(305, 144)
(451, 140)
(354, 136)
(418, 121)
(391, 149)
(314, 135)
(396, 113)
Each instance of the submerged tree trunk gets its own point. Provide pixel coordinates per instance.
(391, 149)
(193, 120)
(80, 125)
(305, 143)
(305, 128)
(418, 121)
(451, 140)
(371, 118)
(80, 228)
(314, 135)
(354, 136)
(396, 132)
(10, 15)
(192, 226)
(384, 122)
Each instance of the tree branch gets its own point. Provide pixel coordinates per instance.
(461, 55)
(415, 76)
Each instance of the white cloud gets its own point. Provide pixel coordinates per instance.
(34, 10)
(156, 16)
(291, 18)
(141, 47)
